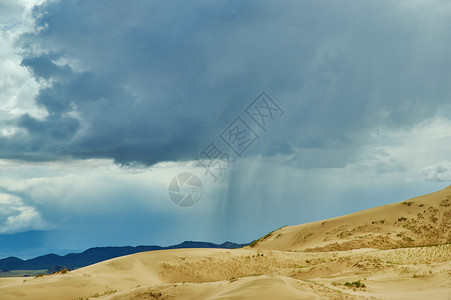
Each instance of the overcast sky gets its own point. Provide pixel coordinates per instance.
(103, 102)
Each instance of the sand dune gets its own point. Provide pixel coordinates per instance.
(348, 257)
(424, 220)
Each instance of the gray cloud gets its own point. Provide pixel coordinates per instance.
(440, 172)
(149, 82)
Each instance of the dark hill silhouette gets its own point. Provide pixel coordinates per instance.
(95, 255)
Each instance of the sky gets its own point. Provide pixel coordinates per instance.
(287, 112)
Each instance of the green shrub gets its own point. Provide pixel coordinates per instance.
(355, 284)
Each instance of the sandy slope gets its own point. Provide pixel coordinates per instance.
(291, 263)
(424, 220)
(408, 273)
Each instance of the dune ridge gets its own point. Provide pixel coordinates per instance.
(424, 220)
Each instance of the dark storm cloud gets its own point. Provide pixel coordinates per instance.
(42, 66)
(153, 81)
(53, 127)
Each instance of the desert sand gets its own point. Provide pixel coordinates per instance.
(396, 251)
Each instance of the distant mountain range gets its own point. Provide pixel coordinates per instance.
(95, 255)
